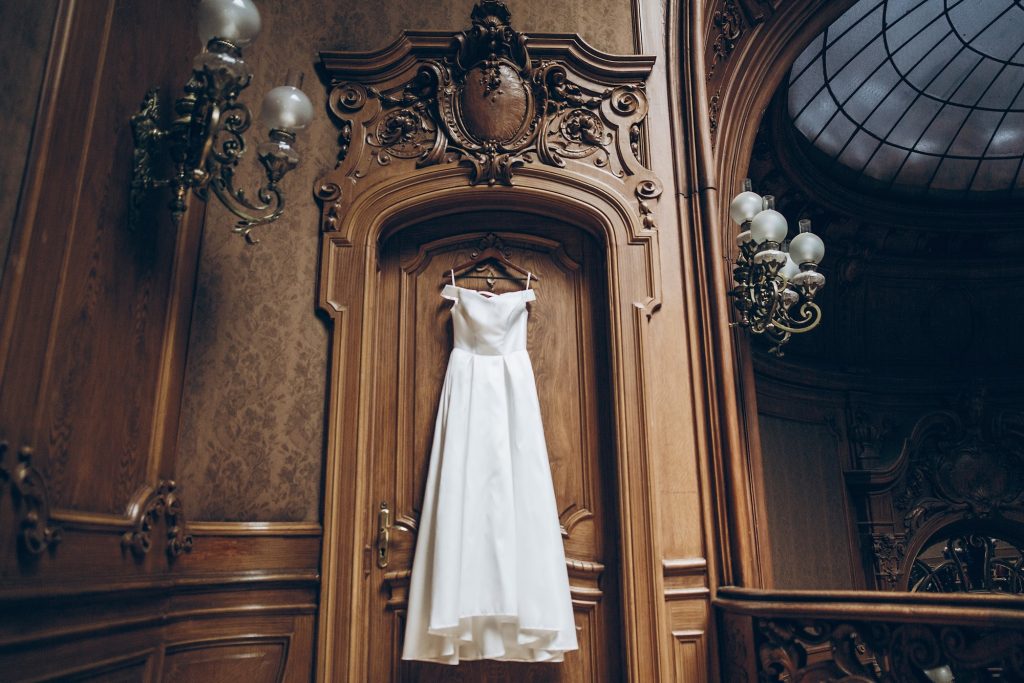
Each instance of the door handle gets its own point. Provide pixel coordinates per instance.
(383, 534)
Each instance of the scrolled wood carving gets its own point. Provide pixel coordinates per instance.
(961, 462)
(31, 502)
(889, 551)
(149, 506)
(729, 24)
(956, 466)
(486, 104)
(799, 650)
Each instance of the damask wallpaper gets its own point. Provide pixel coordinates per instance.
(806, 514)
(252, 430)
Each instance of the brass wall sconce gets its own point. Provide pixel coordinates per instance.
(776, 280)
(205, 139)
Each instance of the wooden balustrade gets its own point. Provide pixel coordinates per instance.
(865, 636)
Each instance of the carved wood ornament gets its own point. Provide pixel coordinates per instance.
(963, 466)
(31, 501)
(485, 104)
(149, 506)
(489, 106)
(883, 652)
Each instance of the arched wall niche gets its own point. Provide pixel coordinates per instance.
(732, 56)
(916, 300)
(400, 164)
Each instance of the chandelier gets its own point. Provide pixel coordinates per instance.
(776, 281)
(205, 139)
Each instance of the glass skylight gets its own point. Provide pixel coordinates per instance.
(922, 95)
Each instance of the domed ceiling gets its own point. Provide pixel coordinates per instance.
(919, 96)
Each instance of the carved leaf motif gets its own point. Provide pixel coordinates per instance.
(889, 552)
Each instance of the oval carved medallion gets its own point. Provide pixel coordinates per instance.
(495, 102)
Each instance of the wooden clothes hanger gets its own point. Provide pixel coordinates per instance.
(490, 254)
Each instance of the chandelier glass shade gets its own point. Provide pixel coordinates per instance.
(205, 140)
(775, 280)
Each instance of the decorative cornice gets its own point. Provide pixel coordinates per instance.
(483, 100)
(31, 502)
(150, 505)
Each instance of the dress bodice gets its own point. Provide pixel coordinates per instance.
(489, 325)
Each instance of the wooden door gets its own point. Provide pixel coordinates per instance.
(567, 342)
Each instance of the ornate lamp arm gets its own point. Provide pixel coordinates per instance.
(769, 282)
(206, 141)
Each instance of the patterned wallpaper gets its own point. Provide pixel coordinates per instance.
(807, 523)
(252, 431)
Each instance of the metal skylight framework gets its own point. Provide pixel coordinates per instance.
(919, 95)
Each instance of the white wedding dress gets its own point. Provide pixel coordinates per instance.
(489, 577)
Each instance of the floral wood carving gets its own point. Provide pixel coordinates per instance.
(151, 505)
(486, 104)
(955, 465)
(713, 112)
(889, 553)
(730, 21)
(799, 650)
(31, 502)
(729, 24)
(961, 462)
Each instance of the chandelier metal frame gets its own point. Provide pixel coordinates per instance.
(775, 281)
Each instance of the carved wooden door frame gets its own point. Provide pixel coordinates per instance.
(407, 157)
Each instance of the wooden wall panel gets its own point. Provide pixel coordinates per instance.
(266, 637)
(85, 298)
(93, 321)
(25, 30)
(253, 658)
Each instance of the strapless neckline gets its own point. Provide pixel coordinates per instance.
(490, 295)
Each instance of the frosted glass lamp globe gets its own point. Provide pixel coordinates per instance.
(769, 226)
(807, 248)
(790, 269)
(744, 206)
(236, 21)
(286, 108)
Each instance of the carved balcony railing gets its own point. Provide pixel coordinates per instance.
(852, 636)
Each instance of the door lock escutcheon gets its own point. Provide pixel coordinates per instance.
(383, 534)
